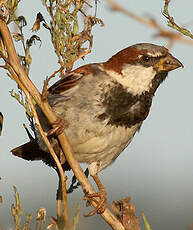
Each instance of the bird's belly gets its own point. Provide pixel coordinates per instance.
(104, 147)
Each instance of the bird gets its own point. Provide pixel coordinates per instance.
(105, 104)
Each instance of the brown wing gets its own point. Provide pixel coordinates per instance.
(65, 83)
(70, 80)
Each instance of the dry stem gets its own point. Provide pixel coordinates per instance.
(63, 180)
(173, 24)
(28, 86)
(51, 150)
(161, 32)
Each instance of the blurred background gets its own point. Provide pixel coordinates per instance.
(156, 170)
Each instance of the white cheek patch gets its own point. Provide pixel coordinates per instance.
(137, 79)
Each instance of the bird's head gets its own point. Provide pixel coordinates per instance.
(142, 67)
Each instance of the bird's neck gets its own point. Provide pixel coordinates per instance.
(122, 108)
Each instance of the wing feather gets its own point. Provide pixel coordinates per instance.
(71, 79)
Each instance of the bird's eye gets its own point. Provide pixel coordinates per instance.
(145, 58)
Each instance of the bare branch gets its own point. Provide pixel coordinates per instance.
(172, 23)
(28, 87)
(161, 31)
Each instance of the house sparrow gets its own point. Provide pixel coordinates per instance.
(105, 104)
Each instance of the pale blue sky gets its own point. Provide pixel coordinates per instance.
(156, 167)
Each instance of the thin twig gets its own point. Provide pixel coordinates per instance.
(32, 90)
(51, 150)
(172, 23)
(63, 180)
(161, 31)
(82, 54)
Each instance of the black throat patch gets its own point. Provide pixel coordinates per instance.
(125, 109)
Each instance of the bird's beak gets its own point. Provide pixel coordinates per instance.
(167, 64)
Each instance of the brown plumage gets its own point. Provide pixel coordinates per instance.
(104, 104)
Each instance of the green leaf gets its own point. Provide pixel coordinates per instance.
(75, 25)
(147, 225)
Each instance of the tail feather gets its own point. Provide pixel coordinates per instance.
(31, 151)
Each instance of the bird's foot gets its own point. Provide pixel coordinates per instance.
(101, 202)
(58, 127)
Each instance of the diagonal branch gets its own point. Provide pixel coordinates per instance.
(161, 31)
(32, 90)
(63, 180)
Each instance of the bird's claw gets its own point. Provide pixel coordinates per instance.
(58, 127)
(101, 204)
